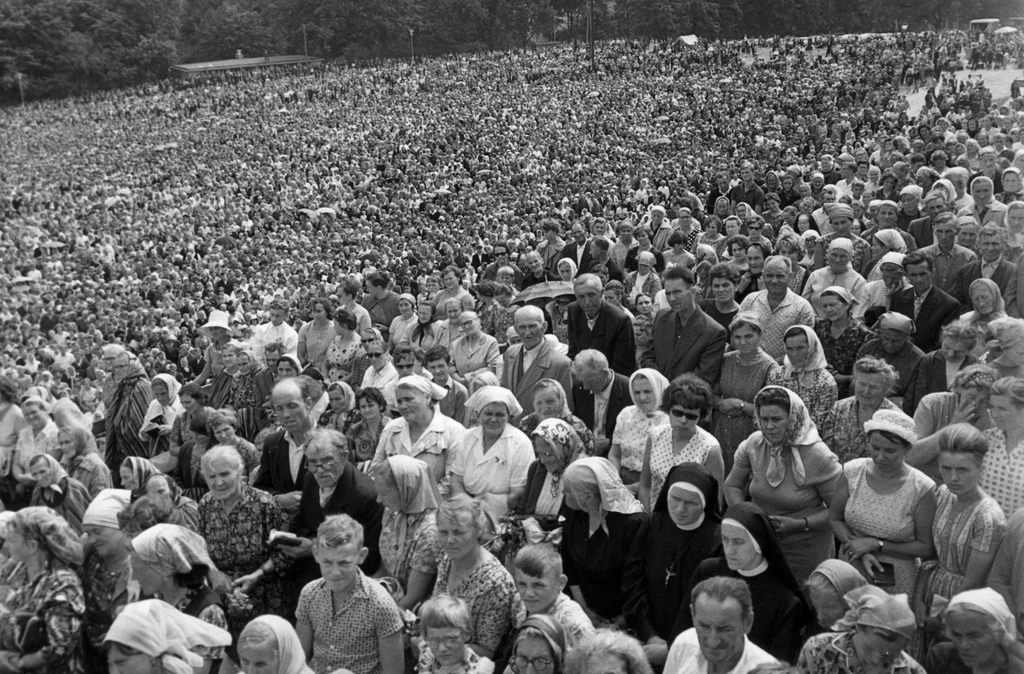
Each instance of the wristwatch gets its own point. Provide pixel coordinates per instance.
(881, 544)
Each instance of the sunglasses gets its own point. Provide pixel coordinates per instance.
(375, 355)
(679, 414)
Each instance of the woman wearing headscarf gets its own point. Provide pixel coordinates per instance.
(805, 372)
(54, 489)
(158, 421)
(152, 637)
(841, 335)
(874, 633)
(493, 459)
(745, 370)
(681, 532)
(105, 572)
(602, 518)
(752, 553)
(539, 638)
(882, 241)
(185, 509)
(791, 475)
(636, 422)
(567, 270)
(421, 431)
(837, 272)
(556, 445)
(135, 472)
(82, 461)
(827, 587)
(269, 644)
(246, 397)
(408, 540)
(982, 636)
(988, 303)
(172, 563)
(551, 402)
(42, 628)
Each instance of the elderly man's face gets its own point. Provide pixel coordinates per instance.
(991, 248)
(326, 465)
(721, 630)
(589, 296)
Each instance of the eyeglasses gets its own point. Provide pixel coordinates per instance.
(315, 466)
(521, 662)
(679, 414)
(447, 642)
(374, 355)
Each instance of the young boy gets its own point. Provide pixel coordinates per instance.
(345, 620)
(540, 581)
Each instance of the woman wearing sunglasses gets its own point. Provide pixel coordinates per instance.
(687, 401)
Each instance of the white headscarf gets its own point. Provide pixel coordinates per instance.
(291, 657)
(494, 394)
(169, 412)
(159, 630)
(103, 510)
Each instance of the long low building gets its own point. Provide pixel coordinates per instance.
(187, 70)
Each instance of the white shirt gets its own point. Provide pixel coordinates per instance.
(295, 452)
(685, 656)
(530, 355)
(268, 333)
(601, 407)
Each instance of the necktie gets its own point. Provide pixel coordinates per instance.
(519, 367)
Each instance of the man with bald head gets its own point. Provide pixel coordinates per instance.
(127, 407)
(778, 307)
(596, 324)
(533, 359)
(283, 464)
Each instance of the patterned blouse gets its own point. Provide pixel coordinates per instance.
(978, 528)
(841, 351)
(418, 552)
(56, 596)
(819, 397)
(664, 458)
(1003, 472)
(632, 430)
(843, 431)
(341, 359)
(90, 470)
(643, 330)
(831, 653)
(491, 594)
(105, 593)
(471, 663)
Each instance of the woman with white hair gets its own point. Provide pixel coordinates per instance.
(1006, 354)
(982, 636)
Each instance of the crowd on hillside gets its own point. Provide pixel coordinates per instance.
(706, 361)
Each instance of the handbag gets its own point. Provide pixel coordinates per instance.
(30, 632)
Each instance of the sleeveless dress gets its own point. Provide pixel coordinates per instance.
(739, 380)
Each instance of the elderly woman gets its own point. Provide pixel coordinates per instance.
(421, 431)
(493, 459)
(635, 424)
(467, 571)
(364, 435)
(841, 335)
(805, 372)
(247, 399)
(474, 352)
(153, 637)
(883, 509)
(236, 521)
(270, 645)
(602, 518)
(643, 281)
(843, 429)
(968, 402)
(987, 300)
(41, 631)
(838, 272)
(681, 532)
(54, 489)
(752, 552)
(876, 630)
(935, 371)
(345, 359)
(342, 403)
(882, 241)
(1004, 462)
(80, 458)
(135, 472)
(423, 333)
(39, 436)
(317, 335)
(745, 371)
(158, 421)
(982, 636)
(827, 587)
(556, 445)
(186, 511)
(791, 475)
(608, 651)
(551, 402)
(1008, 334)
(687, 401)
(408, 541)
(105, 572)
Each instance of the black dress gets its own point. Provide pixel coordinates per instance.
(595, 563)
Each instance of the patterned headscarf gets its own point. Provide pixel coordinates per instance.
(173, 548)
(815, 358)
(563, 439)
(44, 525)
(159, 630)
(800, 432)
(142, 470)
(874, 607)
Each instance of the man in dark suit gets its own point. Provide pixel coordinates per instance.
(501, 259)
(685, 339)
(600, 252)
(992, 265)
(926, 304)
(532, 360)
(595, 324)
(283, 464)
(333, 487)
(578, 250)
(921, 228)
(598, 395)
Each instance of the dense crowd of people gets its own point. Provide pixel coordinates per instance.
(704, 362)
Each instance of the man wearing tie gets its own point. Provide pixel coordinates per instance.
(924, 302)
(532, 360)
(596, 324)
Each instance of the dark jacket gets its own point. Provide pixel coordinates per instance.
(929, 377)
(582, 263)
(1005, 277)
(698, 347)
(612, 335)
(275, 475)
(618, 399)
(937, 309)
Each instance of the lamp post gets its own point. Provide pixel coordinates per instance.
(590, 34)
(305, 45)
(412, 46)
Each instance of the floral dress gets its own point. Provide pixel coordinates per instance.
(105, 593)
(829, 653)
(491, 594)
(743, 381)
(341, 359)
(55, 596)
(238, 546)
(362, 441)
(247, 401)
(664, 458)
(819, 397)
(841, 351)
(844, 433)
(414, 549)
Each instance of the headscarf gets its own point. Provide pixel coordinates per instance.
(52, 532)
(417, 490)
(159, 630)
(658, 382)
(759, 528)
(172, 384)
(53, 495)
(569, 261)
(555, 385)
(486, 395)
(891, 258)
(103, 510)
(293, 360)
(842, 293)
(82, 440)
(592, 474)
(800, 432)
(892, 240)
(290, 655)
(174, 406)
(350, 396)
(844, 577)
(1000, 304)
(991, 603)
(695, 478)
(423, 385)
(874, 607)
(815, 358)
(552, 632)
(172, 485)
(142, 470)
(836, 210)
(563, 439)
(174, 548)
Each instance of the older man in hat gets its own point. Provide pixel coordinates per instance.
(128, 404)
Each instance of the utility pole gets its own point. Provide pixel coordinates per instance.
(305, 45)
(21, 87)
(590, 34)
(412, 46)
